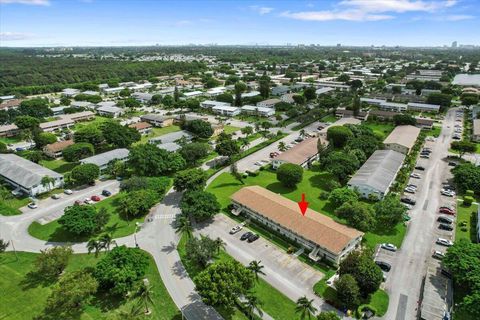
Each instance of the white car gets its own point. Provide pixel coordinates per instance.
(236, 229)
(67, 191)
(258, 163)
(438, 254)
(32, 205)
(444, 242)
(415, 175)
(409, 190)
(88, 201)
(448, 193)
(388, 246)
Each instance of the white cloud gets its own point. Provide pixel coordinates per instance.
(181, 23)
(370, 10)
(14, 36)
(28, 2)
(458, 17)
(348, 15)
(261, 10)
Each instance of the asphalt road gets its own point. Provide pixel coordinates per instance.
(410, 262)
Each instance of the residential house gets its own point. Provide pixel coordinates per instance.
(303, 154)
(142, 127)
(79, 116)
(344, 113)
(69, 92)
(320, 235)
(157, 120)
(269, 103)
(228, 111)
(402, 139)
(288, 98)
(192, 94)
(54, 150)
(26, 176)
(424, 123)
(377, 174)
(103, 159)
(142, 97)
(382, 115)
(10, 104)
(112, 112)
(9, 130)
(82, 104)
(423, 107)
(56, 125)
(170, 141)
(259, 111)
(208, 104)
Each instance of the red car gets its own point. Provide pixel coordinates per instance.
(273, 154)
(95, 198)
(447, 211)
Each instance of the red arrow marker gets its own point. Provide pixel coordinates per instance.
(303, 205)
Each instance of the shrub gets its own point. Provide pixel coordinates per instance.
(467, 201)
(290, 174)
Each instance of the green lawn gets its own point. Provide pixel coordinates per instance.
(230, 129)
(8, 140)
(158, 132)
(435, 132)
(118, 225)
(329, 118)
(59, 165)
(10, 205)
(313, 183)
(275, 303)
(26, 299)
(383, 129)
(466, 222)
(97, 121)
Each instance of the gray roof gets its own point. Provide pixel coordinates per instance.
(379, 171)
(424, 105)
(170, 146)
(280, 90)
(104, 158)
(24, 172)
(110, 109)
(153, 117)
(171, 137)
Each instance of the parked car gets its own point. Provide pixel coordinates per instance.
(55, 196)
(425, 156)
(299, 139)
(448, 193)
(446, 273)
(444, 226)
(444, 242)
(383, 265)
(445, 220)
(236, 229)
(420, 168)
(106, 193)
(415, 175)
(438, 254)
(88, 201)
(408, 200)
(67, 191)
(412, 186)
(253, 237)
(409, 190)
(95, 198)
(245, 235)
(32, 205)
(447, 211)
(388, 246)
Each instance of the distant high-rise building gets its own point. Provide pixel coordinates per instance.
(454, 44)
(339, 44)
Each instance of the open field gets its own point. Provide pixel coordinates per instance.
(59, 165)
(26, 298)
(466, 222)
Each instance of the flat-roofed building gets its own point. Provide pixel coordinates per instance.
(79, 116)
(288, 98)
(320, 235)
(260, 111)
(142, 97)
(56, 125)
(382, 114)
(423, 107)
(26, 176)
(344, 113)
(377, 174)
(170, 141)
(375, 102)
(103, 159)
(192, 94)
(10, 104)
(269, 103)
(112, 112)
(476, 130)
(9, 130)
(212, 103)
(393, 106)
(424, 123)
(82, 104)
(229, 111)
(402, 139)
(69, 92)
(303, 154)
(157, 120)
(54, 150)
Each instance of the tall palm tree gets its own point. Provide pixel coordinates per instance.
(94, 244)
(219, 244)
(251, 304)
(256, 267)
(47, 182)
(282, 146)
(302, 133)
(144, 294)
(244, 142)
(184, 226)
(106, 241)
(305, 308)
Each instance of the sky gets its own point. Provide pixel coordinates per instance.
(37, 23)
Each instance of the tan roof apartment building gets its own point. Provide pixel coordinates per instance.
(303, 154)
(315, 232)
(402, 139)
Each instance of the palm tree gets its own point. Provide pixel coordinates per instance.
(144, 295)
(302, 133)
(244, 142)
(251, 304)
(282, 146)
(305, 307)
(134, 313)
(184, 226)
(47, 182)
(94, 244)
(219, 244)
(106, 241)
(256, 267)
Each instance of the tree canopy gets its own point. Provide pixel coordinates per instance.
(290, 174)
(200, 204)
(148, 160)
